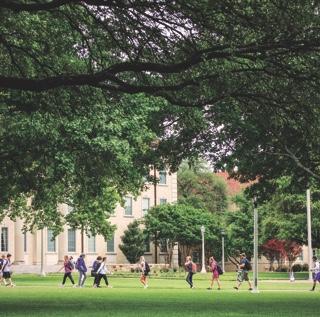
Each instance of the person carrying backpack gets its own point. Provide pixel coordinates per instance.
(68, 267)
(95, 266)
(191, 269)
(82, 269)
(244, 268)
(145, 270)
(1, 266)
(6, 270)
(216, 271)
(102, 273)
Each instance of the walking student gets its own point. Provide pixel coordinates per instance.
(6, 271)
(68, 268)
(82, 269)
(95, 266)
(2, 259)
(145, 270)
(315, 272)
(102, 273)
(244, 268)
(215, 273)
(190, 268)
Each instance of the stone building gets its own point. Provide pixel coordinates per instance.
(26, 247)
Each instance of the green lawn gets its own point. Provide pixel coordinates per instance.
(36, 296)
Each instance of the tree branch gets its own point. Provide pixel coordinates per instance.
(109, 74)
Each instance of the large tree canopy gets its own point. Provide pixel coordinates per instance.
(241, 81)
(191, 52)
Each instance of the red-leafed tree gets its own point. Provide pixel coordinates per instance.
(274, 250)
(280, 250)
(292, 250)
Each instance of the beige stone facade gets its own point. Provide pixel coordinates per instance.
(26, 248)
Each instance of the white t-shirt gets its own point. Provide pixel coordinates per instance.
(6, 265)
(316, 268)
(103, 269)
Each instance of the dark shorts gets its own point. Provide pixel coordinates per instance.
(316, 277)
(6, 274)
(145, 273)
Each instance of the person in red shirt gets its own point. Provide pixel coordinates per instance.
(68, 268)
(215, 273)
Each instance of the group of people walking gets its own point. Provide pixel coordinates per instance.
(243, 269)
(99, 271)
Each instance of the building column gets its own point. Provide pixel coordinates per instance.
(18, 242)
(62, 246)
(62, 237)
(175, 256)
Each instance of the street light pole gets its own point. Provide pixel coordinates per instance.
(255, 246)
(155, 204)
(222, 248)
(42, 272)
(203, 270)
(309, 233)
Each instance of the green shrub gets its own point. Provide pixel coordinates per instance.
(297, 267)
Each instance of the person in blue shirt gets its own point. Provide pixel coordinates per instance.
(82, 269)
(243, 269)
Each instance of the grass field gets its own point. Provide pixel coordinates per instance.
(38, 296)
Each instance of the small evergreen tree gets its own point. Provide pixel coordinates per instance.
(133, 242)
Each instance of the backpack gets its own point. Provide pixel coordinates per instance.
(1, 263)
(95, 268)
(194, 267)
(219, 269)
(71, 265)
(248, 265)
(146, 267)
(77, 265)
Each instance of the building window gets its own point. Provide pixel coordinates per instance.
(163, 177)
(69, 209)
(4, 239)
(147, 245)
(196, 257)
(128, 206)
(51, 241)
(110, 245)
(92, 244)
(163, 201)
(163, 246)
(145, 205)
(25, 241)
(71, 240)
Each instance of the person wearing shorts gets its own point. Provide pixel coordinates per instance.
(243, 272)
(2, 259)
(315, 272)
(6, 271)
(215, 274)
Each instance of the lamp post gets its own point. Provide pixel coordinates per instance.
(222, 248)
(309, 233)
(255, 246)
(42, 272)
(203, 270)
(155, 204)
(154, 145)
